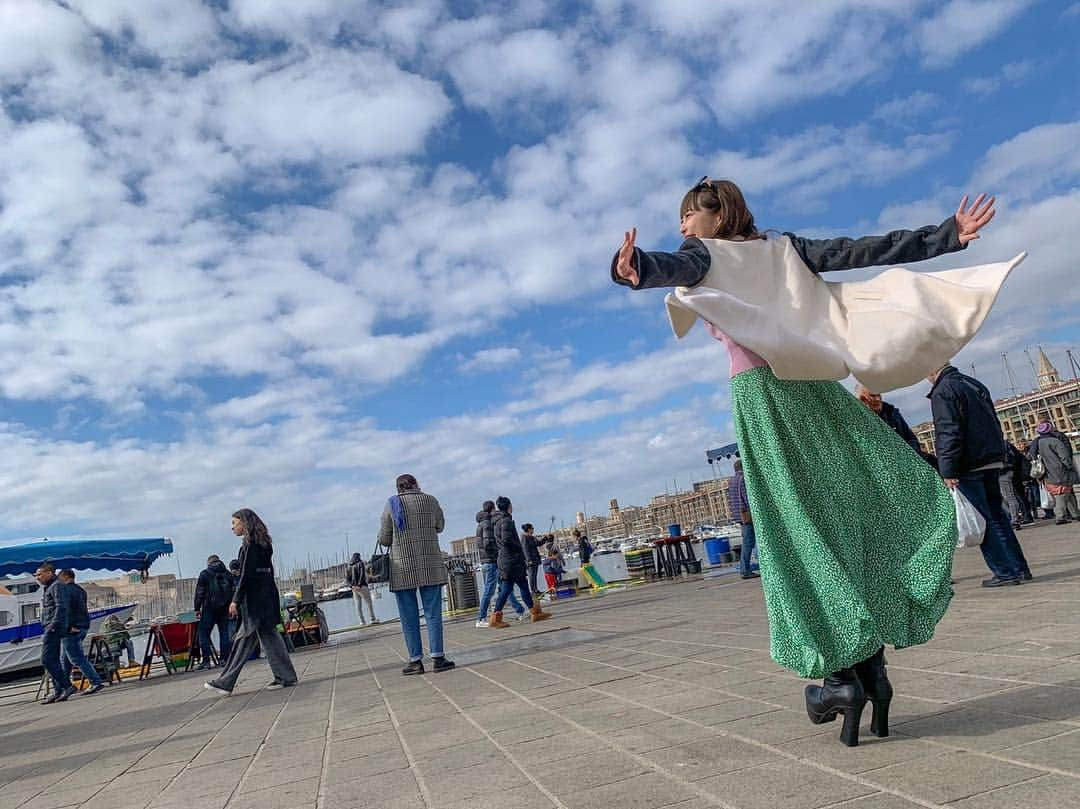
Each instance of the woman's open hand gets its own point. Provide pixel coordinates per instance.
(968, 223)
(624, 265)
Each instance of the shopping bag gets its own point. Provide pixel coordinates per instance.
(970, 525)
(1046, 500)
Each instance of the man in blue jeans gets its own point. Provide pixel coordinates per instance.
(971, 454)
(54, 622)
(489, 556)
(78, 626)
(740, 508)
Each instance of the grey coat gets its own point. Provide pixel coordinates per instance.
(1057, 458)
(416, 560)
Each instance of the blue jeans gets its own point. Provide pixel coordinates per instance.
(50, 659)
(491, 579)
(75, 655)
(208, 619)
(506, 590)
(1000, 547)
(409, 612)
(749, 542)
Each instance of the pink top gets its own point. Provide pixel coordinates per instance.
(742, 358)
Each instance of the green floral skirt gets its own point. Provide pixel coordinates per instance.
(855, 532)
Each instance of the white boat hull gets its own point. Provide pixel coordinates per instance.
(26, 653)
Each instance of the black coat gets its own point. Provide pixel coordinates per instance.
(356, 574)
(54, 607)
(78, 614)
(966, 428)
(511, 556)
(584, 550)
(256, 592)
(531, 545)
(485, 533)
(215, 584)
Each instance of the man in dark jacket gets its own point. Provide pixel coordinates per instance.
(356, 578)
(971, 454)
(584, 547)
(512, 567)
(531, 545)
(890, 414)
(54, 622)
(489, 562)
(79, 625)
(1012, 488)
(213, 592)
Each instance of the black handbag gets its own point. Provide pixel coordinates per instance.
(378, 569)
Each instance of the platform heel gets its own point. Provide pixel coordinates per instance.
(842, 694)
(878, 689)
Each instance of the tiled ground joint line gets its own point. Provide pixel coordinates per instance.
(1012, 683)
(951, 747)
(262, 744)
(197, 715)
(501, 747)
(320, 800)
(414, 768)
(618, 748)
(718, 729)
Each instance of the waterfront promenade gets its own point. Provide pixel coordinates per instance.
(660, 696)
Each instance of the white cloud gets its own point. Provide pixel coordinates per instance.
(960, 25)
(184, 31)
(490, 359)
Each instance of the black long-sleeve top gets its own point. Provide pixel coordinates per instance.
(689, 265)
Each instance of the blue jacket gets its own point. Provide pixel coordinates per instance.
(967, 434)
(54, 607)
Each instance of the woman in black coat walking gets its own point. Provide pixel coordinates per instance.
(258, 604)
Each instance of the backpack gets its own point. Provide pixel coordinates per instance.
(219, 591)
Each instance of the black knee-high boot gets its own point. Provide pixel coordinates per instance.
(842, 693)
(875, 682)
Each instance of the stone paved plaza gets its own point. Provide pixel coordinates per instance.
(659, 696)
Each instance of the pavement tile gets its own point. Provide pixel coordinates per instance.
(523, 797)
(871, 754)
(585, 771)
(1060, 752)
(786, 784)
(976, 729)
(948, 777)
(639, 792)
(1048, 792)
(694, 761)
(665, 733)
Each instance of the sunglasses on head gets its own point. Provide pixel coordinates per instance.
(704, 184)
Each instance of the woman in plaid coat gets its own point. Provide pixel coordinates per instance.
(410, 527)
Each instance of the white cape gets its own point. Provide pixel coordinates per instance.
(888, 332)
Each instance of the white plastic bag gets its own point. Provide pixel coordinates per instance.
(1046, 500)
(970, 525)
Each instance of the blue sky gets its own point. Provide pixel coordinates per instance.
(272, 254)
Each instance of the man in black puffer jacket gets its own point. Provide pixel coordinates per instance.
(971, 454)
(511, 564)
(489, 560)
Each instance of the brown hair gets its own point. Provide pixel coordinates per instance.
(254, 528)
(722, 197)
(406, 483)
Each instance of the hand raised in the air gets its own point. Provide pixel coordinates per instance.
(624, 265)
(970, 222)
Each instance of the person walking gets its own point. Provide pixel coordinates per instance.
(585, 548)
(489, 563)
(356, 578)
(257, 604)
(740, 508)
(530, 544)
(512, 566)
(1055, 450)
(843, 572)
(213, 594)
(410, 526)
(55, 626)
(971, 454)
(73, 653)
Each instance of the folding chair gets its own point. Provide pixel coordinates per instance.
(168, 642)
